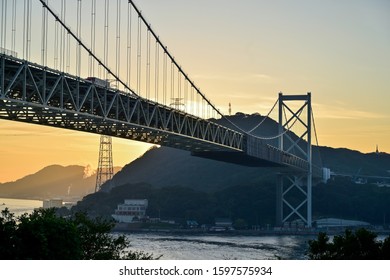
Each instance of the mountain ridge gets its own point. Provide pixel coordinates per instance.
(53, 181)
(162, 167)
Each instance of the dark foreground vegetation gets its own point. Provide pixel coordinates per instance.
(359, 245)
(43, 235)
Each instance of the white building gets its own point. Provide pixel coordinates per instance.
(333, 222)
(132, 208)
(50, 203)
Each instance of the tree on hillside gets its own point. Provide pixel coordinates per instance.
(359, 245)
(43, 235)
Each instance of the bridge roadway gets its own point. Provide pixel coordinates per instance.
(36, 94)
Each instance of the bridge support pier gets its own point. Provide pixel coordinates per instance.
(279, 200)
(293, 200)
(294, 190)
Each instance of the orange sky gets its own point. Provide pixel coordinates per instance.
(245, 52)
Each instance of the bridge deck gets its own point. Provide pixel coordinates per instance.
(36, 94)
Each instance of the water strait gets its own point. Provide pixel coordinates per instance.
(198, 247)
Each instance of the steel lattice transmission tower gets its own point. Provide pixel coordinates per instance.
(105, 169)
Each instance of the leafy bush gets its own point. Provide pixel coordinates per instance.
(359, 245)
(43, 235)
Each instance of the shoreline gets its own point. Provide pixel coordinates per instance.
(34, 199)
(194, 232)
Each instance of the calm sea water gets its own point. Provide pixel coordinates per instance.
(197, 247)
(217, 247)
(200, 247)
(19, 206)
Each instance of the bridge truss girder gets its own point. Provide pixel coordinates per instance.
(35, 94)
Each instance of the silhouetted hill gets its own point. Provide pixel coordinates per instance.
(54, 181)
(253, 204)
(182, 186)
(184, 203)
(345, 161)
(162, 167)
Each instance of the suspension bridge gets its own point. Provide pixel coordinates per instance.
(99, 67)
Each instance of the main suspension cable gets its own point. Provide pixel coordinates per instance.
(264, 118)
(316, 136)
(86, 48)
(281, 134)
(172, 58)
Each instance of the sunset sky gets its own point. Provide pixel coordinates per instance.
(246, 52)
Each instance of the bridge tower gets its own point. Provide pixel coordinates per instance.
(105, 169)
(294, 189)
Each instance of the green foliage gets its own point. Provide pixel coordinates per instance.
(254, 204)
(7, 234)
(43, 235)
(240, 224)
(342, 198)
(358, 245)
(339, 198)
